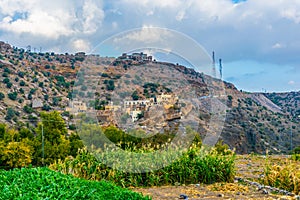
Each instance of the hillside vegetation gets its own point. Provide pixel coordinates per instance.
(34, 82)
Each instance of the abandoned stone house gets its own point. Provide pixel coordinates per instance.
(139, 57)
(76, 107)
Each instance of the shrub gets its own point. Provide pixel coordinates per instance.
(22, 83)
(6, 80)
(285, 177)
(6, 70)
(2, 96)
(21, 74)
(13, 96)
(9, 85)
(10, 114)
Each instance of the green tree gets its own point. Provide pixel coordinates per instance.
(2, 131)
(75, 144)
(17, 154)
(6, 80)
(135, 96)
(13, 96)
(56, 146)
(10, 114)
(2, 96)
(22, 83)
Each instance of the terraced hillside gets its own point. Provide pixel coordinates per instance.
(32, 82)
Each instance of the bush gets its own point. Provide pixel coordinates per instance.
(2, 96)
(6, 80)
(6, 70)
(9, 85)
(10, 114)
(21, 74)
(285, 177)
(22, 83)
(13, 96)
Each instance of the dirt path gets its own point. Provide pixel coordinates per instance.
(247, 167)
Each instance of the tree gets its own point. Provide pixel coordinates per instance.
(22, 83)
(2, 131)
(2, 96)
(56, 146)
(9, 85)
(21, 74)
(75, 144)
(10, 114)
(17, 154)
(229, 100)
(6, 80)
(135, 95)
(110, 85)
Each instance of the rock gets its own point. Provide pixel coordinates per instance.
(221, 195)
(268, 187)
(264, 191)
(197, 185)
(183, 196)
(284, 198)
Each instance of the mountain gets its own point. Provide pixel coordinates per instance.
(32, 82)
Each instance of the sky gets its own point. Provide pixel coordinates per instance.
(258, 41)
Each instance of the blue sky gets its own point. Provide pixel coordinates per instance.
(258, 41)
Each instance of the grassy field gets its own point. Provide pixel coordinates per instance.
(43, 183)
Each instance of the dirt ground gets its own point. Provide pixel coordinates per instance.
(248, 167)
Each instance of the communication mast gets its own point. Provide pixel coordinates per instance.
(221, 68)
(213, 64)
(28, 48)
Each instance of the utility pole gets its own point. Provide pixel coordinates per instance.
(291, 138)
(43, 148)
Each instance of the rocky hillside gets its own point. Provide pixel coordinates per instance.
(32, 82)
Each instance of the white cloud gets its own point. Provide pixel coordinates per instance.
(39, 23)
(115, 25)
(147, 34)
(278, 46)
(291, 14)
(154, 3)
(180, 16)
(51, 20)
(93, 16)
(81, 45)
(291, 83)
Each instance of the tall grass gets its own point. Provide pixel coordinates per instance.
(285, 176)
(193, 166)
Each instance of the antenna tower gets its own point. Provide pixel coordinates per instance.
(28, 48)
(221, 68)
(213, 64)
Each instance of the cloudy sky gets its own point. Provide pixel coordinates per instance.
(258, 41)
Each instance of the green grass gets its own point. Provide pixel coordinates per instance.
(43, 183)
(192, 167)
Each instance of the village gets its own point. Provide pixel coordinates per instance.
(133, 110)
